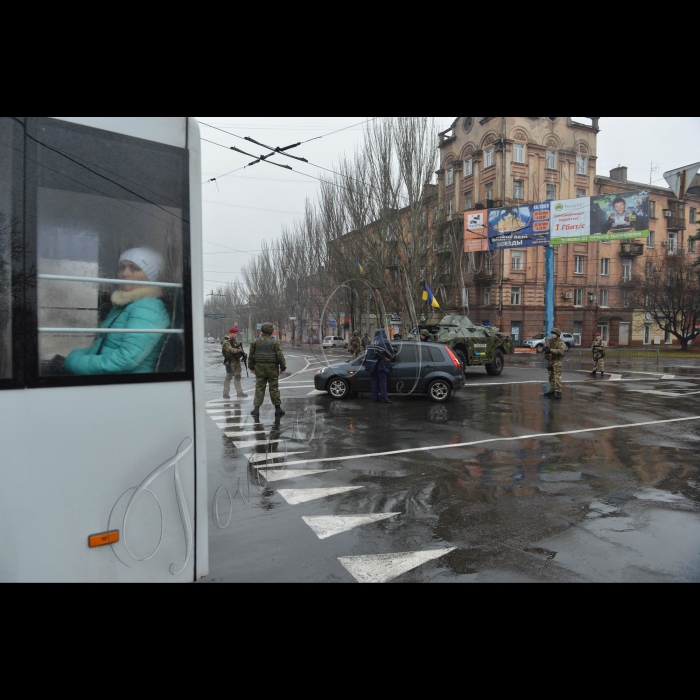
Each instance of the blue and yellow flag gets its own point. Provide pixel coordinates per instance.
(429, 297)
(361, 268)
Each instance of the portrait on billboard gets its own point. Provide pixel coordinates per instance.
(620, 214)
(525, 226)
(476, 237)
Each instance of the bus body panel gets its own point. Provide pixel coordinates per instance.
(68, 456)
(171, 131)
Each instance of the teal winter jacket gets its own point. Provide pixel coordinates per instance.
(125, 353)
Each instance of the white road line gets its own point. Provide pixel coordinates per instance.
(256, 443)
(669, 394)
(271, 457)
(492, 440)
(296, 497)
(326, 527)
(237, 435)
(272, 476)
(227, 402)
(315, 392)
(381, 568)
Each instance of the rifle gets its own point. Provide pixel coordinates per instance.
(245, 363)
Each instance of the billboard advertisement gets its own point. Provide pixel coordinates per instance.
(476, 238)
(609, 217)
(526, 226)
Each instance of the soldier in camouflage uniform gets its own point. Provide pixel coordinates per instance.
(599, 356)
(233, 354)
(556, 351)
(267, 363)
(355, 345)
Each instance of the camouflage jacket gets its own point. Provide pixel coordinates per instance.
(599, 349)
(276, 349)
(232, 350)
(556, 351)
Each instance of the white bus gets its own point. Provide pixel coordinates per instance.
(102, 433)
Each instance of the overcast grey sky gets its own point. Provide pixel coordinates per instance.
(253, 204)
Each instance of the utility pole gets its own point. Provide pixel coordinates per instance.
(549, 292)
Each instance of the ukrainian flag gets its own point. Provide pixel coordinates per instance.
(429, 297)
(361, 268)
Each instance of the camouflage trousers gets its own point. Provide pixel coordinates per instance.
(599, 365)
(233, 373)
(555, 377)
(267, 374)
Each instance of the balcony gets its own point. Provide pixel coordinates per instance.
(484, 277)
(675, 223)
(631, 250)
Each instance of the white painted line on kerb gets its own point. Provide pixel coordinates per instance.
(492, 440)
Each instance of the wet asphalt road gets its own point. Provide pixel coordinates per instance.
(619, 504)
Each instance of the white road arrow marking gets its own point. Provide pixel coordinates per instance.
(386, 567)
(298, 496)
(273, 476)
(326, 527)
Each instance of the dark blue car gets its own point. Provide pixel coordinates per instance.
(419, 368)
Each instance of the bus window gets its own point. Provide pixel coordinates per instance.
(8, 158)
(112, 243)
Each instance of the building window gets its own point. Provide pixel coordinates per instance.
(579, 265)
(672, 242)
(468, 167)
(551, 193)
(487, 296)
(518, 189)
(488, 264)
(489, 158)
(604, 331)
(450, 177)
(605, 267)
(518, 262)
(489, 192)
(693, 216)
(436, 216)
(465, 297)
(652, 209)
(626, 298)
(516, 295)
(469, 200)
(691, 245)
(578, 297)
(650, 270)
(581, 163)
(450, 207)
(580, 193)
(519, 152)
(651, 241)
(627, 271)
(551, 160)
(515, 332)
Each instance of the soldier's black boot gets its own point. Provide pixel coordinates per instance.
(558, 396)
(279, 412)
(549, 395)
(602, 375)
(240, 396)
(227, 397)
(255, 412)
(594, 374)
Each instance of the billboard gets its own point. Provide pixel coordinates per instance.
(609, 217)
(526, 226)
(476, 239)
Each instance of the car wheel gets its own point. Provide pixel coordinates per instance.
(440, 391)
(540, 349)
(339, 389)
(499, 362)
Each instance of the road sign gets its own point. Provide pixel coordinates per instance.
(332, 324)
(681, 180)
(216, 317)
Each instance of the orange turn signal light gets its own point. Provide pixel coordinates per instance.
(104, 539)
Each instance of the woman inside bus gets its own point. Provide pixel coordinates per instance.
(138, 307)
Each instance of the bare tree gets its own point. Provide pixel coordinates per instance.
(669, 290)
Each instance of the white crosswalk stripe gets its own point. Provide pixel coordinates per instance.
(296, 497)
(381, 568)
(272, 476)
(326, 527)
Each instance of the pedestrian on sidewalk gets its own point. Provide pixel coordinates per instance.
(380, 355)
(598, 348)
(267, 363)
(234, 354)
(555, 352)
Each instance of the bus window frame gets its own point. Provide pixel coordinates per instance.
(17, 262)
(33, 378)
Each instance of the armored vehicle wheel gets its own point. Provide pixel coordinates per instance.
(540, 349)
(499, 362)
(440, 391)
(461, 356)
(339, 389)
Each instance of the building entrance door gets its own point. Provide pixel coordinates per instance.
(647, 335)
(624, 334)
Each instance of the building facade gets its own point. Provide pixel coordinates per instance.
(491, 162)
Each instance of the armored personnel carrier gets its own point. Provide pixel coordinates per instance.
(474, 345)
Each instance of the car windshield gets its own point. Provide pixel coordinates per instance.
(541, 336)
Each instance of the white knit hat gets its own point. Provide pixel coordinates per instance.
(150, 261)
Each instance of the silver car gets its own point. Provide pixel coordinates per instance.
(539, 342)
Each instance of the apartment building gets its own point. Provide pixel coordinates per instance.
(505, 161)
